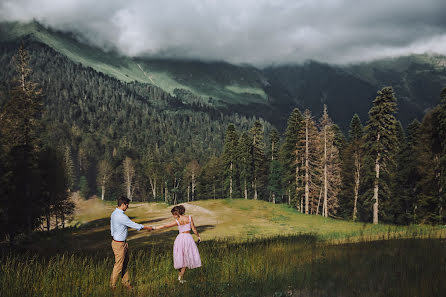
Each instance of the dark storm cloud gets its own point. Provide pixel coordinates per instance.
(259, 32)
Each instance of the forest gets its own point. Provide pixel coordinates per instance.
(65, 128)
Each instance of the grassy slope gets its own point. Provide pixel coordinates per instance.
(235, 219)
(222, 81)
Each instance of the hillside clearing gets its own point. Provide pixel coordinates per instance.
(224, 219)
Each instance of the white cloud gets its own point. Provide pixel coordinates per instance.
(259, 32)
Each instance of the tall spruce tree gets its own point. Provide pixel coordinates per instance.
(314, 165)
(21, 115)
(380, 143)
(245, 162)
(307, 119)
(291, 157)
(352, 167)
(407, 176)
(442, 134)
(259, 163)
(274, 139)
(229, 159)
(429, 187)
(330, 165)
(20, 126)
(311, 165)
(275, 169)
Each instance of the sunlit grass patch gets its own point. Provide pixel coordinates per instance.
(238, 219)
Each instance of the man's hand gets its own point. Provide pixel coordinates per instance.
(148, 228)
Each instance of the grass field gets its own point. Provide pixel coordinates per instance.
(233, 220)
(250, 248)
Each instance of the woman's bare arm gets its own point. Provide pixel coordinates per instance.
(193, 227)
(165, 226)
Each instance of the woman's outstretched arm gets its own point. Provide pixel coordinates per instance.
(164, 226)
(193, 228)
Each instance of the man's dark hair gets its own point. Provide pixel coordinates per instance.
(123, 200)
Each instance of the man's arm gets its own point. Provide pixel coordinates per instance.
(131, 224)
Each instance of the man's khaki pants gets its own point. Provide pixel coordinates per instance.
(120, 249)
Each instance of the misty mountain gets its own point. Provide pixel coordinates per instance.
(271, 92)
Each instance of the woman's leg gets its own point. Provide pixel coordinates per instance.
(181, 273)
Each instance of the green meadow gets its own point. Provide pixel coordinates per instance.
(249, 248)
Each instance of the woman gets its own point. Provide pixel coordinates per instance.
(185, 251)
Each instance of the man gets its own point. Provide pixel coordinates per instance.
(118, 224)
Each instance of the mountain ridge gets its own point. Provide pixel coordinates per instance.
(271, 91)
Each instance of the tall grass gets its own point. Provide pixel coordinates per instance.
(283, 266)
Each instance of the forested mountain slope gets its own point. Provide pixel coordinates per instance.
(271, 92)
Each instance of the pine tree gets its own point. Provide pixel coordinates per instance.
(352, 167)
(311, 160)
(245, 162)
(291, 157)
(229, 158)
(380, 141)
(20, 126)
(275, 169)
(442, 134)
(20, 118)
(314, 166)
(307, 118)
(274, 138)
(407, 177)
(428, 208)
(259, 165)
(330, 165)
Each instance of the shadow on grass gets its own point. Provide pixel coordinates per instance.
(294, 265)
(106, 222)
(162, 238)
(95, 235)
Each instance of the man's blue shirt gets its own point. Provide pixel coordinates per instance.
(119, 223)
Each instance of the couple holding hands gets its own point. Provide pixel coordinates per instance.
(185, 251)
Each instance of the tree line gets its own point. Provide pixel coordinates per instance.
(378, 172)
(69, 128)
(93, 123)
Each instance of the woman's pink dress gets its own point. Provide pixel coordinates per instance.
(185, 251)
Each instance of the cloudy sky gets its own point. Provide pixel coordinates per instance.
(259, 32)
